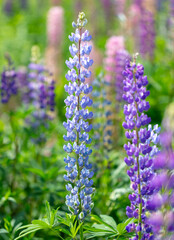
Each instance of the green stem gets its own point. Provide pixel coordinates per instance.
(81, 232)
(78, 109)
(138, 173)
(16, 152)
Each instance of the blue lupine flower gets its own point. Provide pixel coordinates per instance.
(78, 169)
(102, 125)
(141, 146)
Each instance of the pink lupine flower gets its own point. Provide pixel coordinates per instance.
(55, 25)
(113, 45)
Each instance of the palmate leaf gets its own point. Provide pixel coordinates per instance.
(107, 227)
(47, 223)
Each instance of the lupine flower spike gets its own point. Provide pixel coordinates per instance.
(141, 146)
(8, 85)
(78, 168)
(41, 96)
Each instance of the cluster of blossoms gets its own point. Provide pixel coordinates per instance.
(78, 168)
(141, 147)
(113, 45)
(102, 131)
(115, 60)
(40, 94)
(172, 7)
(171, 24)
(55, 26)
(120, 61)
(116, 56)
(8, 84)
(161, 204)
(145, 34)
(119, 6)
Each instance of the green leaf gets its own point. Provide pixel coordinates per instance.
(65, 231)
(37, 171)
(2, 230)
(103, 227)
(48, 210)
(109, 220)
(41, 223)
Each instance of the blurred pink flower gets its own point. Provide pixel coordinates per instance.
(134, 14)
(113, 45)
(55, 25)
(119, 6)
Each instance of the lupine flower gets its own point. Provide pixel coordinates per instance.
(41, 98)
(8, 7)
(145, 30)
(172, 7)
(41, 90)
(113, 45)
(107, 7)
(141, 147)
(171, 25)
(162, 202)
(102, 131)
(120, 6)
(114, 65)
(78, 168)
(120, 61)
(8, 84)
(147, 33)
(55, 26)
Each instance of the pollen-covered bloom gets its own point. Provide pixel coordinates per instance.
(79, 173)
(141, 146)
(161, 204)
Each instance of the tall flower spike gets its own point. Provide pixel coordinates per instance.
(78, 168)
(141, 146)
(102, 133)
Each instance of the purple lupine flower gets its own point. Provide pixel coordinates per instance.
(40, 97)
(8, 83)
(172, 7)
(147, 33)
(41, 89)
(120, 6)
(78, 168)
(162, 202)
(141, 146)
(121, 57)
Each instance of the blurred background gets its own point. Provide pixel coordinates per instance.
(32, 171)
